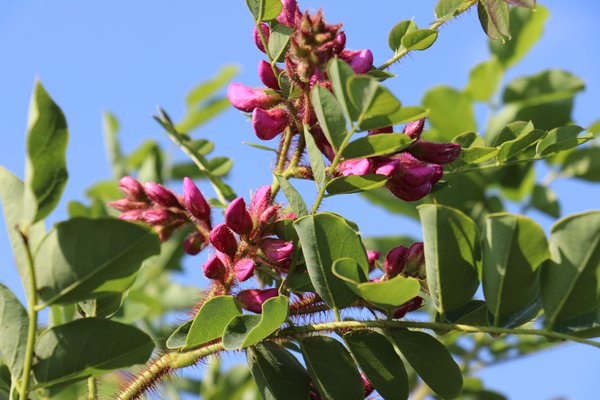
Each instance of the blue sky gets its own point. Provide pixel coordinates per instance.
(131, 56)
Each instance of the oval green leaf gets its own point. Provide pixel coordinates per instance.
(377, 145)
(420, 39)
(14, 325)
(400, 116)
(279, 40)
(339, 73)
(212, 318)
(370, 98)
(398, 32)
(330, 115)
(355, 184)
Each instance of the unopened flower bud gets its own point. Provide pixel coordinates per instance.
(290, 14)
(395, 261)
(132, 188)
(260, 201)
(406, 192)
(386, 166)
(411, 305)
(194, 201)
(127, 204)
(161, 195)
(269, 123)
(269, 216)
(159, 216)
(237, 217)
(340, 42)
(247, 99)
(360, 61)
(257, 40)
(373, 257)
(223, 240)
(133, 215)
(214, 268)
(415, 261)
(277, 250)
(253, 299)
(437, 153)
(266, 75)
(244, 269)
(414, 129)
(194, 243)
(357, 166)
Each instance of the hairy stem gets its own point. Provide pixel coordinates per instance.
(282, 157)
(92, 388)
(32, 314)
(434, 26)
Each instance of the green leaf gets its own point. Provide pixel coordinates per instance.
(339, 73)
(260, 146)
(545, 200)
(264, 10)
(326, 237)
(208, 88)
(445, 9)
(400, 116)
(198, 116)
(484, 80)
(293, 196)
(522, 3)
(5, 381)
(332, 369)
(526, 139)
(113, 148)
(494, 17)
(355, 184)
(431, 360)
(384, 244)
(330, 116)
(398, 32)
(583, 164)
(14, 325)
(212, 318)
(452, 256)
(12, 191)
(45, 168)
(178, 337)
(370, 98)
(86, 258)
(88, 347)
(379, 361)
(247, 330)
(563, 138)
(513, 249)
(315, 157)
(279, 40)
(421, 39)
(477, 155)
(450, 112)
(569, 281)
(220, 166)
(526, 28)
(278, 374)
(468, 139)
(376, 145)
(388, 294)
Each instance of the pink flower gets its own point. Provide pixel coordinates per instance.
(438, 153)
(261, 200)
(415, 261)
(132, 188)
(245, 98)
(193, 200)
(159, 216)
(340, 42)
(410, 178)
(214, 268)
(415, 128)
(265, 28)
(161, 195)
(373, 257)
(290, 14)
(237, 217)
(253, 299)
(269, 123)
(360, 61)
(244, 269)
(127, 204)
(223, 240)
(395, 261)
(266, 75)
(411, 305)
(357, 166)
(194, 243)
(277, 250)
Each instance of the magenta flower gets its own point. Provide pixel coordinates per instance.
(214, 268)
(415, 128)
(410, 178)
(290, 14)
(194, 201)
(223, 240)
(361, 61)
(244, 269)
(357, 166)
(438, 153)
(270, 123)
(266, 75)
(245, 98)
(373, 257)
(132, 188)
(277, 250)
(253, 299)
(411, 305)
(237, 217)
(161, 195)
(395, 260)
(265, 28)
(261, 200)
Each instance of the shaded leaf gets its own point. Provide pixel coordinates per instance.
(330, 116)
(545, 200)
(14, 325)
(212, 318)
(494, 17)
(484, 80)
(370, 98)
(355, 184)
(583, 164)
(376, 145)
(315, 157)
(293, 196)
(400, 116)
(339, 73)
(563, 138)
(450, 112)
(279, 40)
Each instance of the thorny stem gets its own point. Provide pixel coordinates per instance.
(32, 314)
(434, 26)
(175, 360)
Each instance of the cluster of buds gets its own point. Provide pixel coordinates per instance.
(155, 205)
(246, 241)
(312, 44)
(412, 172)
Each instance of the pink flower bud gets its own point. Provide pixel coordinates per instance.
(415, 261)
(247, 99)
(406, 192)
(266, 75)
(411, 305)
(214, 268)
(357, 166)
(127, 204)
(277, 250)
(193, 200)
(269, 216)
(414, 129)
(260, 201)
(373, 257)
(265, 28)
(237, 217)
(395, 261)
(244, 269)
(159, 216)
(253, 299)
(132, 188)
(386, 166)
(194, 243)
(133, 215)
(290, 14)
(223, 240)
(387, 129)
(405, 168)
(340, 42)
(269, 123)
(161, 195)
(438, 153)
(360, 61)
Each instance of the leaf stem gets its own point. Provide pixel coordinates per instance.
(32, 314)
(92, 388)
(434, 26)
(492, 166)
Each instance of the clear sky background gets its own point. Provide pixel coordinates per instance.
(130, 56)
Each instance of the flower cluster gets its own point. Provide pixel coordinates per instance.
(412, 172)
(312, 44)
